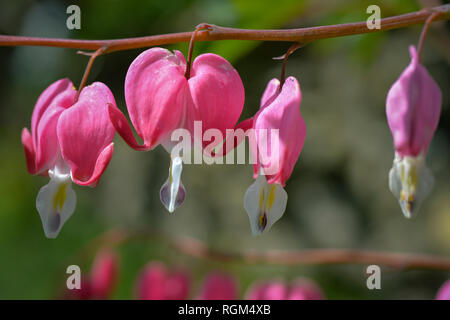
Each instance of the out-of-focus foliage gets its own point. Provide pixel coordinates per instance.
(338, 193)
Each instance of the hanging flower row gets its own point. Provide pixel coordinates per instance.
(71, 138)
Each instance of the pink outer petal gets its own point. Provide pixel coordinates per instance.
(413, 107)
(444, 291)
(55, 99)
(271, 92)
(217, 92)
(104, 274)
(156, 95)
(85, 134)
(46, 144)
(30, 156)
(62, 87)
(282, 113)
(218, 286)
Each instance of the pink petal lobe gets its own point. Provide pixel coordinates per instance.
(156, 95)
(217, 92)
(85, 134)
(270, 93)
(46, 139)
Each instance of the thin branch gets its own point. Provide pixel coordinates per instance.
(424, 34)
(93, 56)
(197, 249)
(222, 33)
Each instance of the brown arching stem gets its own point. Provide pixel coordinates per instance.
(285, 57)
(93, 56)
(194, 248)
(221, 33)
(424, 34)
(200, 27)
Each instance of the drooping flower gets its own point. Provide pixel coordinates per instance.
(219, 286)
(444, 291)
(278, 135)
(156, 282)
(413, 107)
(299, 289)
(69, 141)
(161, 99)
(101, 280)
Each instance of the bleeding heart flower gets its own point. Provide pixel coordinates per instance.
(300, 289)
(101, 281)
(413, 107)
(157, 283)
(278, 135)
(160, 99)
(104, 274)
(69, 141)
(219, 286)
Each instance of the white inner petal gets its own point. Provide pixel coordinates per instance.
(173, 193)
(56, 201)
(411, 182)
(265, 204)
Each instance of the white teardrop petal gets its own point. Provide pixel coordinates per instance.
(55, 203)
(411, 182)
(265, 204)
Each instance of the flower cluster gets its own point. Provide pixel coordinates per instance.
(72, 132)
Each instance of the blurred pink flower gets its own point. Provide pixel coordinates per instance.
(101, 280)
(157, 283)
(219, 286)
(104, 274)
(444, 291)
(300, 289)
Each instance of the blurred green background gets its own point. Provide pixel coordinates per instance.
(338, 192)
